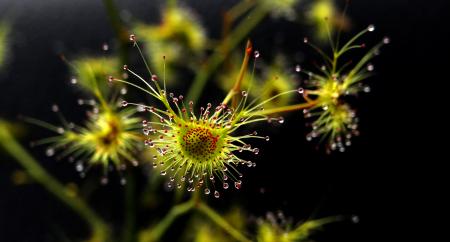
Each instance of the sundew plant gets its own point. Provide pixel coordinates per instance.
(177, 121)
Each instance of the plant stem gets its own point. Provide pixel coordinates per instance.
(214, 61)
(99, 229)
(217, 218)
(129, 234)
(155, 233)
(119, 29)
(237, 85)
(283, 109)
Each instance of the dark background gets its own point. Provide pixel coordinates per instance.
(370, 180)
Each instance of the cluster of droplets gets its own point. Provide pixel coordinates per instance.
(70, 141)
(196, 149)
(330, 116)
(183, 168)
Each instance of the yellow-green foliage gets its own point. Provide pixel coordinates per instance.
(281, 8)
(273, 81)
(326, 18)
(4, 30)
(179, 37)
(270, 231)
(93, 72)
(205, 232)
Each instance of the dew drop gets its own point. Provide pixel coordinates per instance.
(280, 120)
(298, 68)
(370, 67)
(371, 28)
(386, 40)
(256, 54)
(124, 103)
(256, 151)
(105, 47)
(123, 91)
(79, 167)
(355, 219)
(123, 181)
(207, 191)
(305, 40)
(267, 138)
(366, 89)
(225, 185)
(110, 78)
(104, 180)
(300, 90)
(154, 78)
(216, 194)
(125, 67)
(132, 37)
(163, 173)
(60, 130)
(238, 185)
(50, 152)
(73, 80)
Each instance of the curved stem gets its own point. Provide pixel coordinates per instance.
(217, 218)
(130, 210)
(237, 85)
(155, 233)
(100, 231)
(119, 29)
(214, 61)
(283, 109)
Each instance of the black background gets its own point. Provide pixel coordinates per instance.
(370, 180)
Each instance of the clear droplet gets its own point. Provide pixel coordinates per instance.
(104, 180)
(132, 37)
(207, 191)
(154, 78)
(163, 173)
(305, 40)
(366, 89)
(256, 151)
(280, 120)
(355, 219)
(371, 28)
(73, 80)
(244, 93)
(216, 194)
(267, 138)
(370, 67)
(300, 90)
(124, 103)
(50, 152)
(79, 167)
(123, 181)
(298, 68)
(386, 40)
(225, 185)
(256, 54)
(238, 185)
(105, 47)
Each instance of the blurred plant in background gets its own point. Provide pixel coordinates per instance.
(4, 31)
(198, 147)
(180, 37)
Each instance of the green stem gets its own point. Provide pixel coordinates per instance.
(283, 109)
(99, 229)
(129, 234)
(119, 29)
(155, 233)
(219, 55)
(217, 218)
